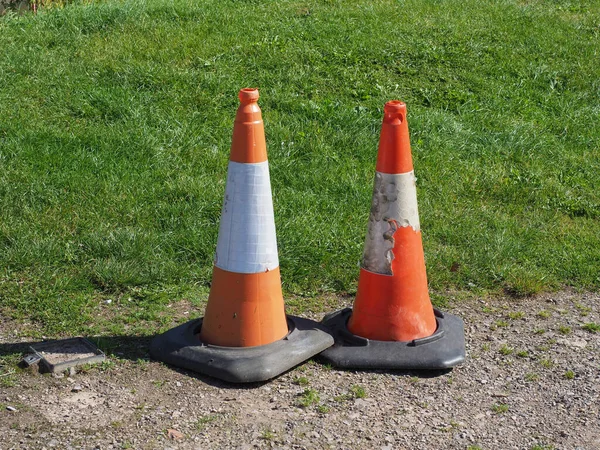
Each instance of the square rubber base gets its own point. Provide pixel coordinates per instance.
(442, 350)
(181, 347)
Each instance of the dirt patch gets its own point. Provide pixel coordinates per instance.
(531, 381)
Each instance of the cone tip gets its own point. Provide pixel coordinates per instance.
(395, 110)
(248, 95)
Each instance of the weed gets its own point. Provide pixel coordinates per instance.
(563, 329)
(546, 363)
(500, 408)
(505, 350)
(358, 391)
(583, 310)
(301, 381)
(268, 435)
(515, 315)
(323, 409)
(591, 327)
(485, 347)
(543, 314)
(522, 354)
(205, 420)
(532, 377)
(501, 323)
(539, 331)
(107, 364)
(569, 374)
(308, 397)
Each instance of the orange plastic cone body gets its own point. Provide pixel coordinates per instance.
(245, 305)
(392, 302)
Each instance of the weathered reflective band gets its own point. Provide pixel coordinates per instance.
(394, 205)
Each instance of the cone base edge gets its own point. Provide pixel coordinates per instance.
(181, 347)
(442, 350)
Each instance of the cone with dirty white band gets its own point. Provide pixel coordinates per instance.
(245, 335)
(392, 302)
(245, 306)
(393, 324)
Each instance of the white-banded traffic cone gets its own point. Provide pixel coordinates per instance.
(245, 335)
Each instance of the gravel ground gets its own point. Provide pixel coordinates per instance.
(531, 381)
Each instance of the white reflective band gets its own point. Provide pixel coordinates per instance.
(247, 242)
(394, 205)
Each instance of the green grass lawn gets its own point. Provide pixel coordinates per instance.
(116, 119)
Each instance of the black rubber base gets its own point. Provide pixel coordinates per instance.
(442, 350)
(181, 347)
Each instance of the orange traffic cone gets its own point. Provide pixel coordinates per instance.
(245, 335)
(393, 324)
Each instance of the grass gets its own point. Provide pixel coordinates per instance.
(500, 408)
(592, 327)
(308, 398)
(358, 391)
(506, 350)
(563, 329)
(115, 125)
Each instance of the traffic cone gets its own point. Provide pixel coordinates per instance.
(245, 335)
(393, 324)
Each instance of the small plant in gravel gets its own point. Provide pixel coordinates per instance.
(542, 447)
(563, 329)
(308, 397)
(569, 374)
(543, 314)
(583, 310)
(8, 380)
(107, 364)
(358, 391)
(485, 347)
(522, 354)
(515, 315)
(539, 331)
(205, 420)
(505, 350)
(301, 381)
(474, 447)
(532, 377)
(268, 435)
(591, 327)
(501, 323)
(546, 363)
(323, 409)
(500, 408)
